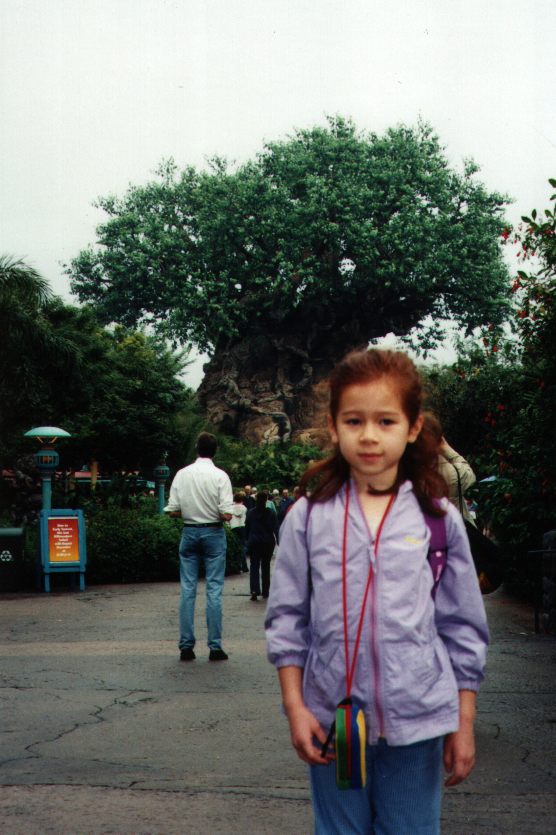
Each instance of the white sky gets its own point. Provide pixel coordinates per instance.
(94, 93)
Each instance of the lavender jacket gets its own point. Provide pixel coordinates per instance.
(415, 653)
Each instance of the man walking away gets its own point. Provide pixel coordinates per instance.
(201, 494)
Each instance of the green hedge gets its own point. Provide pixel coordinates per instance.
(130, 546)
(123, 546)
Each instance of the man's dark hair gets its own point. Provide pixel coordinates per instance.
(206, 445)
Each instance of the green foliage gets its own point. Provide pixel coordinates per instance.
(118, 392)
(129, 546)
(498, 404)
(333, 233)
(273, 466)
(138, 546)
(29, 346)
(233, 552)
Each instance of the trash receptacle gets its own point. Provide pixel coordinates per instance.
(12, 543)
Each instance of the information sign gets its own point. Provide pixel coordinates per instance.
(63, 539)
(63, 544)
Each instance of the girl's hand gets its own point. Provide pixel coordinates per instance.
(303, 727)
(459, 754)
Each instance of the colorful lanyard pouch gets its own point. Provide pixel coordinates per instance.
(349, 724)
(348, 727)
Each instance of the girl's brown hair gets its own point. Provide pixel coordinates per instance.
(419, 463)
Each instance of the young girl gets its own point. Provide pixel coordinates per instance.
(351, 610)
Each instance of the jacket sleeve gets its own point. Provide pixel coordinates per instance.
(276, 527)
(288, 612)
(173, 499)
(225, 495)
(460, 612)
(247, 523)
(457, 461)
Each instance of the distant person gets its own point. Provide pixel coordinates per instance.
(285, 503)
(248, 499)
(261, 528)
(270, 503)
(201, 494)
(453, 468)
(237, 524)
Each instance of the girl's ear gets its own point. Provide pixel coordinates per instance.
(415, 430)
(332, 430)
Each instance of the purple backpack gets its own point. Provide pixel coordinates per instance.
(438, 548)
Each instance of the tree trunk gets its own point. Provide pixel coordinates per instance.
(263, 389)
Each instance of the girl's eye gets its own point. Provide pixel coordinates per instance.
(353, 421)
(387, 422)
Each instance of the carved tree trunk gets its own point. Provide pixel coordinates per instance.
(264, 390)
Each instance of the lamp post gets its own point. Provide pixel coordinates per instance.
(47, 459)
(161, 473)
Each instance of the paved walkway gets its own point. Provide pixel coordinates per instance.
(103, 730)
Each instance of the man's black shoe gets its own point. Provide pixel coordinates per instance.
(218, 655)
(187, 655)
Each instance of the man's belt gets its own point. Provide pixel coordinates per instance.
(202, 524)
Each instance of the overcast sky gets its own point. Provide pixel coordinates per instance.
(94, 93)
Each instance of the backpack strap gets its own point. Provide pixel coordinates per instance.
(438, 548)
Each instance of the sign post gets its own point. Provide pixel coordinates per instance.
(63, 544)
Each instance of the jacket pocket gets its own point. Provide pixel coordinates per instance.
(324, 681)
(418, 682)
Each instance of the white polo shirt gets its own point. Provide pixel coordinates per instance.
(201, 492)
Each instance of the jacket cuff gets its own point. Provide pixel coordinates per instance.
(468, 684)
(292, 659)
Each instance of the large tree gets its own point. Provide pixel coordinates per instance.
(276, 268)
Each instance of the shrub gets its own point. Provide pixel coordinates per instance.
(129, 546)
(134, 545)
(275, 465)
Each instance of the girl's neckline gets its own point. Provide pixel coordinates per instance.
(372, 491)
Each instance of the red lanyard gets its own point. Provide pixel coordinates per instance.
(350, 670)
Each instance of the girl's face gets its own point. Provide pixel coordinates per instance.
(372, 432)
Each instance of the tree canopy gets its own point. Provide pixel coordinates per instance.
(117, 391)
(332, 233)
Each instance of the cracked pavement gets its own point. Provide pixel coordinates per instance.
(104, 730)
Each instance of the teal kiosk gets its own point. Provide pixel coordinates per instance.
(62, 532)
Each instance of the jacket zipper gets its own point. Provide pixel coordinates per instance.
(374, 642)
(374, 649)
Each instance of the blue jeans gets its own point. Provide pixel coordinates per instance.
(403, 794)
(209, 545)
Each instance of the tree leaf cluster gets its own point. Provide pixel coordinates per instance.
(331, 233)
(117, 391)
(498, 404)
